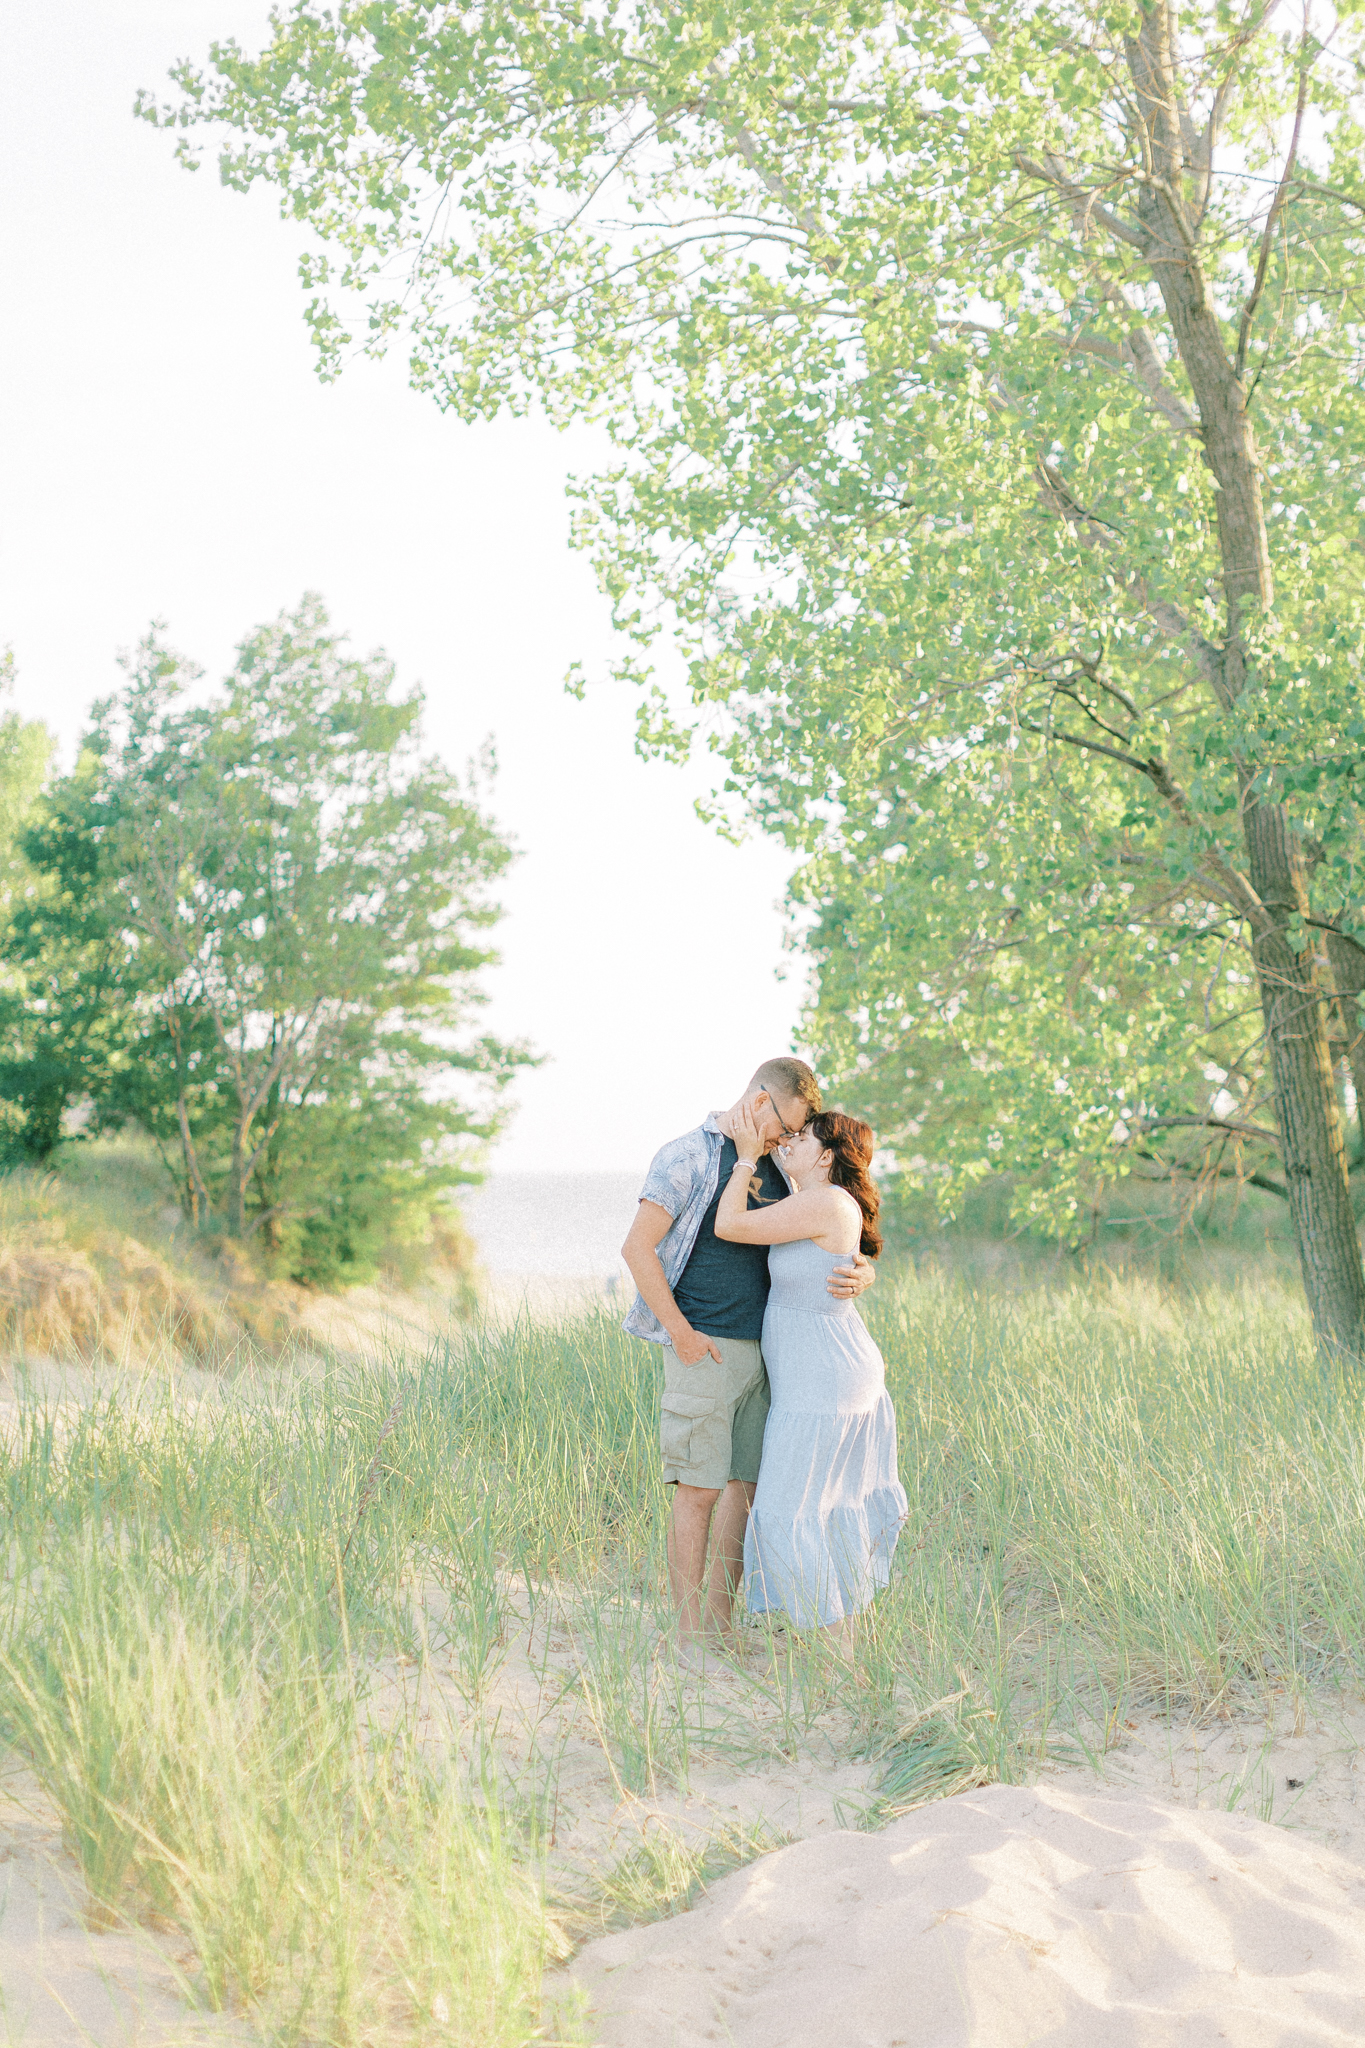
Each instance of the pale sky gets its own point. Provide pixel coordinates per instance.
(168, 453)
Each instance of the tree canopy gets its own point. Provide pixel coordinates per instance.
(255, 933)
(985, 384)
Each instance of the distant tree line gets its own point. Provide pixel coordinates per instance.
(250, 924)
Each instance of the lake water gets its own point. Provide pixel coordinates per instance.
(555, 1227)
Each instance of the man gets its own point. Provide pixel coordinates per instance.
(703, 1300)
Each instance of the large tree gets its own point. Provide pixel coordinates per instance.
(986, 385)
(277, 900)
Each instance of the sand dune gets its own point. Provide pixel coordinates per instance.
(63, 1985)
(1000, 1918)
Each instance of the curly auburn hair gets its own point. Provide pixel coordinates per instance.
(852, 1144)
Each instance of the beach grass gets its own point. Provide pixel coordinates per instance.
(222, 1613)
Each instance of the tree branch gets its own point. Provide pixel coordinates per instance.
(1170, 1173)
(1062, 688)
(1233, 887)
(1333, 192)
(1072, 739)
(1085, 195)
(1322, 924)
(1207, 1123)
(1271, 220)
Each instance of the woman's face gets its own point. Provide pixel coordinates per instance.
(801, 1154)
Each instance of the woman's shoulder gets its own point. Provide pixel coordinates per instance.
(839, 1209)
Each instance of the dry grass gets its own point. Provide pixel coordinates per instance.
(75, 1286)
(71, 1286)
(97, 1264)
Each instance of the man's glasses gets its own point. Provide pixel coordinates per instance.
(786, 1131)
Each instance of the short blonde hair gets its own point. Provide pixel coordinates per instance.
(790, 1078)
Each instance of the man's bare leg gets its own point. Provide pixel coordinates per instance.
(727, 1556)
(688, 1530)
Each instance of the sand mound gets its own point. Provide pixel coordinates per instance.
(1004, 1917)
(62, 1986)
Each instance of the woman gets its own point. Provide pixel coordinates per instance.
(829, 1504)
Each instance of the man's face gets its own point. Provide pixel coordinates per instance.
(780, 1117)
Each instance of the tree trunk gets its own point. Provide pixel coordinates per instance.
(1312, 1139)
(236, 1201)
(194, 1180)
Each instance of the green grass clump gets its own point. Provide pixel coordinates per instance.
(1120, 1494)
(666, 1873)
(222, 1784)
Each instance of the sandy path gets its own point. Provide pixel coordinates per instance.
(1301, 1765)
(1004, 1917)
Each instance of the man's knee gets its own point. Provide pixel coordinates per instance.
(695, 1496)
(694, 1503)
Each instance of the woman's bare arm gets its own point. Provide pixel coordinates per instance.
(816, 1212)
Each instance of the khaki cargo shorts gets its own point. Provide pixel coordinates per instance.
(712, 1418)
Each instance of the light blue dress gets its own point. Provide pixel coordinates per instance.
(829, 1504)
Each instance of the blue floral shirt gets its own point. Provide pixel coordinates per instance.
(682, 1179)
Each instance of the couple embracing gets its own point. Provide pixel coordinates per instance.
(752, 1241)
